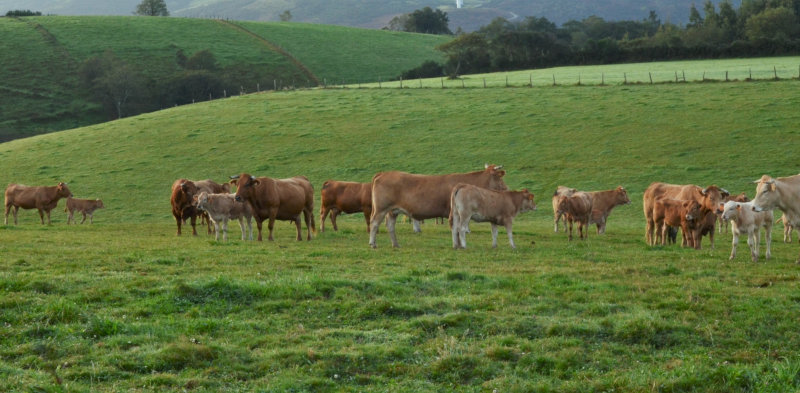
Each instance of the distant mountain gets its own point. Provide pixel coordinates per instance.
(378, 13)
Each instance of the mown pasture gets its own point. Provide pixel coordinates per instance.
(125, 305)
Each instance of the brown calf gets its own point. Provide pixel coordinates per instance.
(577, 207)
(669, 212)
(478, 204)
(83, 206)
(708, 198)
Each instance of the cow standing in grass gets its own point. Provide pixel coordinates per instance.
(478, 204)
(277, 199)
(745, 221)
(42, 198)
(561, 191)
(223, 207)
(708, 198)
(83, 206)
(182, 198)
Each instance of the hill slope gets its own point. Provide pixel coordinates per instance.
(590, 138)
(43, 92)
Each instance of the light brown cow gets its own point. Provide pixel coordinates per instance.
(577, 207)
(277, 199)
(560, 191)
(223, 207)
(421, 196)
(787, 229)
(181, 200)
(747, 222)
(344, 197)
(602, 204)
(674, 213)
(779, 193)
(708, 198)
(478, 204)
(42, 198)
(83, 206)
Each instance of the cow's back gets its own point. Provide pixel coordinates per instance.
(675, 191)
(421, 196)
(23, 196)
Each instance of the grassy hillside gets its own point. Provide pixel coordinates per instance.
(126, 305)
(41, 92)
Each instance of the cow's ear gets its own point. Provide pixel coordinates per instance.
(772, 186)
(255, 182)
(486, 166)
(234, 182)
(738, 207)
(501, 173)
(183, 186)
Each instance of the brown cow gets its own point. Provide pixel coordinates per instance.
(344, 197)
(577, 207)
(701, 226)
(560, 191)
(421, 196)
(673, 213)
(183, 192)
(84, 206)
(42, 198)
(602, 204)
(470, 202)
(277, 199)
(708, 198)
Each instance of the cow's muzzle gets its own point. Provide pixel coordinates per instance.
(238, 198)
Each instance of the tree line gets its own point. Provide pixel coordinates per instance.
(756, 28)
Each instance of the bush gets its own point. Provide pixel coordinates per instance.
(428, 69)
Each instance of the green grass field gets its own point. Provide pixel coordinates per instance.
(125, 305)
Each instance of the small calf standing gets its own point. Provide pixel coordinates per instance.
(788, 228)
(470, 202)
(577, 207)
(669, 212)
(746, 221)
(561, 191)
(223, 207)
(84, 206)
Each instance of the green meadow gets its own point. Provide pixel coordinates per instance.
(126, 305)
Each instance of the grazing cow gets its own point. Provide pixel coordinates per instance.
(84, 206)
(779, 193)
(560, 191)
(42, 198)
(223, 207)
(708, 198)
(344, 197)
(723, 224)
(183, 193)
(577, 207)
(673, 213)
(470, 202)
(787, 229)
(277, 199)
(421, 196)
(746, 221)
(602, 204)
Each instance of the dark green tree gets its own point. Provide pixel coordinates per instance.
(152, 8)
(428, 21)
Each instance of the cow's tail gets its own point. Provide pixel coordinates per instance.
(453, 194)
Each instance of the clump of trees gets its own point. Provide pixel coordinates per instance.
(756, 28)
(426, 20)
(152, 8)
(17, 13)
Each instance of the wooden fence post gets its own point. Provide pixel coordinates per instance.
(624, 78)
(775, 70)
(530, 80)
(651, 77)
(726, 76)
(401, 82)
(602, 78)
(554, 79)
(442, 82)
(484, 83)
(506, 80)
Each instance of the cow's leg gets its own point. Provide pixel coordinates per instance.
(41, 215)
(299, 229)
(16, 210)
(734, 244)
(454, 229)
(334, 214)
(224, 229)
(583, 227)
(463, 229)
(648, 232)
(375, 220)
(179, 221)
(391, 220)
(751, 242)
(569, 221)
(8, 208)
(509, 231)
(84, 217)
(416, 225)
(556, 219)
(259, 223)
(323, 214)
(787, 233)
(193, 221)
(308, 216)
(216, 230)
(494, 235)
(208, 222)
(768, 238)
(91, 218)
(367, 214)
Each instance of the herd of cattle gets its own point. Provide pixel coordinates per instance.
(480, 196)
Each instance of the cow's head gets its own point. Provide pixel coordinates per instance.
(767, 197)
(99, 204)
(740, 198)
(527, 201)
(563, 205)
(189, 188)
(200, 200)
(226, 188)
(63, 191)
(693, 210)
(713, 196)
(622, 196)
(495, 174)
(731, 210)
(244, 186)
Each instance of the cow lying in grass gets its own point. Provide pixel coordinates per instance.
(746, 221)
(470, 202)
(223, 207)
(83, 206)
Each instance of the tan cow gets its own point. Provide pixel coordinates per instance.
(787, 229)
(577, 207)
(83, 206)
(779, 193)
(674, 213)
(746, 221)
(723, 224)
(223, 207)
(478, 204)
(277, 199)
(602, 204)
(421, 196)
(560, 191)
(344, 197)
(42, 198)
(181, 200)
(708, 198)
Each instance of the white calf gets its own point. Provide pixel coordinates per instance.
(223, 207)
(746, 221)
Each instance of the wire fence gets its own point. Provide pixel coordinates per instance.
(573, 76)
